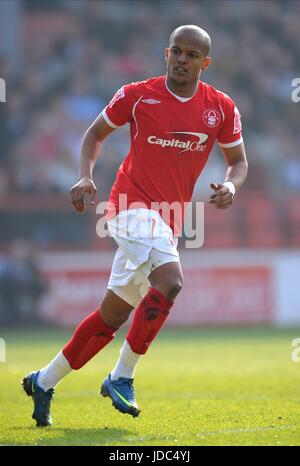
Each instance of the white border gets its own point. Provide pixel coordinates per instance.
(108, 121)
(231, 144)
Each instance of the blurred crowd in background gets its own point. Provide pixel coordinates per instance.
(64, 61)
(74, 55)
(21, 285)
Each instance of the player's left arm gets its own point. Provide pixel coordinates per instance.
(237, 168)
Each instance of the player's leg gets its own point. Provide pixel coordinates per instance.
(96, 330)
(165, 283)
(90, 336)
(120, 388)
(167, 279)
(154, 255)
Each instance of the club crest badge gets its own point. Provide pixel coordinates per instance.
(211, 118)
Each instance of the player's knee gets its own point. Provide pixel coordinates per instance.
(168, 281)
(170, 287)
(174, 288)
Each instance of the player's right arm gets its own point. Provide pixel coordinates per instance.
(90, 149)
(117, 113)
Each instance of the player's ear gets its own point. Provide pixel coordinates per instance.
(166, 54)
(206, 63)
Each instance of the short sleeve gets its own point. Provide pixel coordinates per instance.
(119, 110)
(230, 134)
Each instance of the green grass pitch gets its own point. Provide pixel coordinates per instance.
(194, 387)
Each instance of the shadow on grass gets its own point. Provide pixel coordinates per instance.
(69, 436)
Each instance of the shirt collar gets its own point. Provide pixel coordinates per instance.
(181, 99)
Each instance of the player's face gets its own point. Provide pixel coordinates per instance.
(185, 61)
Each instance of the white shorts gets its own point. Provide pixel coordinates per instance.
(145, 242)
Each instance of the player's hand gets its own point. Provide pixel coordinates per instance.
(83, 186)
(222, 198)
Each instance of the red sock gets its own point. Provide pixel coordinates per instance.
(91, 335)
(148, 319)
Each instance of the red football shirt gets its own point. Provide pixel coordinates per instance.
(171, 139)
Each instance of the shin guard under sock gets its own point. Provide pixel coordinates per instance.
(91, 335)
(148, 319)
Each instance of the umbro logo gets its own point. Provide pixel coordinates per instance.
(151, 101)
